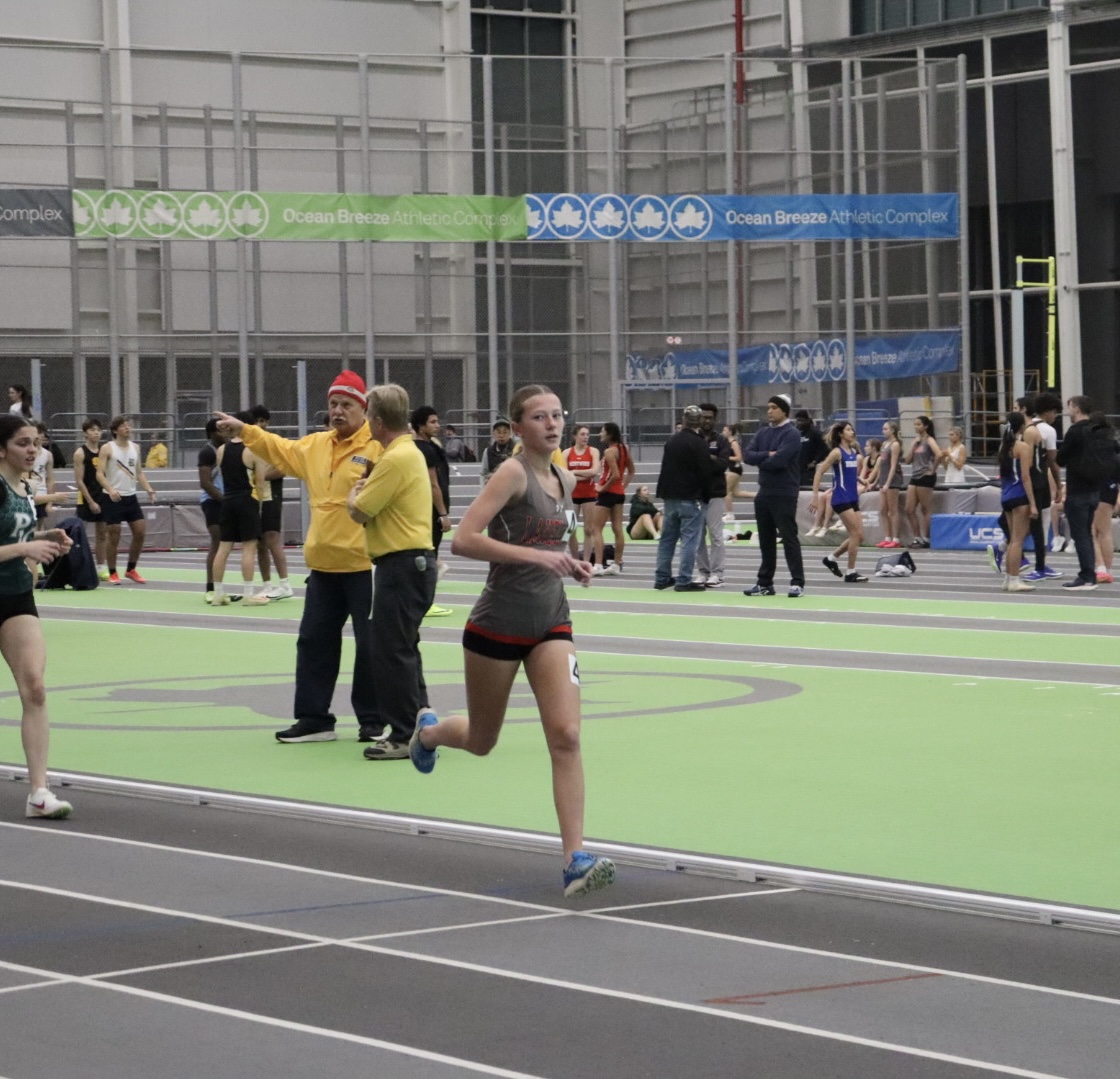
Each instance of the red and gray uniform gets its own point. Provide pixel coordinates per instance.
(526, 604)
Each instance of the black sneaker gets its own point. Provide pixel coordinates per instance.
(854, 577)
(662, 585)
(386, 751)
(690, 586)
(304, 732)
(371, 732)
(759, 590)
(1079, 584)
(832, 566)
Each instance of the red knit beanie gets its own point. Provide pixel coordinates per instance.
(351, 384)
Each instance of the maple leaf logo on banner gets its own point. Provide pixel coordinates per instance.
(691, 219)
(650, 222)
(568, 218)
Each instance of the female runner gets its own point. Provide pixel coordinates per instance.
(582, 461)
(618, 471)
(924, 455)
(890, 483)
(21, 636)
(845, 461)
(520, 524)
(1016, 498)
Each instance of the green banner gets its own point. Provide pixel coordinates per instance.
(257, 215)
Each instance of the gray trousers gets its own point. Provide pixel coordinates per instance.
(710, 556)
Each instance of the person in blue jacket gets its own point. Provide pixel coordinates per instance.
(776, 453)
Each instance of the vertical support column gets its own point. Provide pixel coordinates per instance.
(343, 257)
(1065, 201)
(927, 127)
(212, 263)
(491, 245)
(243, 392)
(301, 419)
(111, 268)
(993, 233)
(367, 245)
(849, 244)
(77, 364)
(426, 277)
(965, 281)
(255, 278)
(507, 269)
(582, 349)
(615, 345)
(732, 262)
(1018, 349)
(166, 279)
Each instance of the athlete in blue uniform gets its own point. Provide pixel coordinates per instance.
(845, 460)
(1016, 498)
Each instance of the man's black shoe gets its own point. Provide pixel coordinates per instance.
(691, 586)
(759, 590)
(303, 732)
(662, 585)
(370, 732)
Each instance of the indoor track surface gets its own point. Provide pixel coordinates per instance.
(930, 730)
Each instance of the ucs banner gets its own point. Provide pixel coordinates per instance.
(823, 360)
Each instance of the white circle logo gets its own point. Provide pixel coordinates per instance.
(690, 217)
(248, 214)
(566, 216)
(607, 217)
(204, 215)
(649, 217)
(160, 214)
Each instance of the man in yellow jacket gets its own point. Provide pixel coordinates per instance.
(340, 583)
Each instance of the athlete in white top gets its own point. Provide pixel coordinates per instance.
(119, 472)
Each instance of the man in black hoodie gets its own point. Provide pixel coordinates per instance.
(1082, 492)
(685, 486)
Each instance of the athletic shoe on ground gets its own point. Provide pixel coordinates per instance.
(832, 566)
(883, 543)
(372, 733)
(587, 873)
(1052, 574)
(42, 803)
(1015, 584)
(837, 526)
(795, 591)
(613, 570)
(597, 570)
(279, 591)
(423, 759)
(102, 574)
(662, 585)
(714, 581)
(220, 599)
(234, 599)
(854, 577)
(1079, 584)
(305, 732)
(995, 558)
(435, 611)
(386, 751)
(1058, 544)
(893, 543)
(690, 586)
(919, 541)
(1033, 575)
(134, 577)
(759, 590)
(257, 599)
(209, 597)
(113, 578)
(1104, 577)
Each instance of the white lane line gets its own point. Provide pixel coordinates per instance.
(241, 859)
(500, 972)
(700, 1009)
(292, 1026)
(708, 934)
(761, 893)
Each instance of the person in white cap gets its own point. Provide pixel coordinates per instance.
(340, 583)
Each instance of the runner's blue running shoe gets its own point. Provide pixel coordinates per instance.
(995, 558)
(423, 759)
(587, 873)
(1052, 574)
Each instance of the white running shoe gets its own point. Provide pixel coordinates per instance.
(1015, 584)
(279, 591)
(257, 599)
(42, 803)
(597, 570)
(613, 570)
(714, 581)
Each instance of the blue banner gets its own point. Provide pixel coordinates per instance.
(967, 532)
(775, 218)
(823, 360)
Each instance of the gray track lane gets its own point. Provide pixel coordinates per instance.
(358, 950)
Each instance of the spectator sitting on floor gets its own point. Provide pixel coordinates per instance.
(645, 517)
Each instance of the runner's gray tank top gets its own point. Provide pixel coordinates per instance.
(524, 601)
